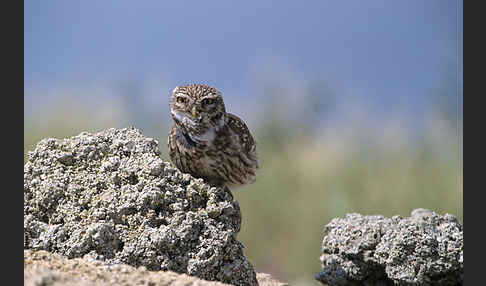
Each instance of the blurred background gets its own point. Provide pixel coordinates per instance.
(356, 105)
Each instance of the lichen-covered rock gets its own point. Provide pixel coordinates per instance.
(111, 196)
(49, 269)
(424, 249)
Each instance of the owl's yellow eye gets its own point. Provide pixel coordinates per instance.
(181, 99)
(208, 101)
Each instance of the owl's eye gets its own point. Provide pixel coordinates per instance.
(208, 101)
(181, 99)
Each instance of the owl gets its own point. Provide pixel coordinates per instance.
(208, 142)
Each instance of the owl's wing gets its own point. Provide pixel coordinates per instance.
(240, 128)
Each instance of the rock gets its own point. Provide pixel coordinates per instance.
(44, 268)
(49, 269)
(424, 249)
(267, 280)
(111, 196)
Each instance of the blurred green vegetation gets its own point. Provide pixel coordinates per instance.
(309, 173)
(304, 184)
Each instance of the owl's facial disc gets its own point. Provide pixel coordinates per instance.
(196, 131)
(198, 110)
(183, 118)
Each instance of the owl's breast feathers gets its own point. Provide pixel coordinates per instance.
(230, 158)
(184, 139)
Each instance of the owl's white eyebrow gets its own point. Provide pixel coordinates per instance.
(212, 95)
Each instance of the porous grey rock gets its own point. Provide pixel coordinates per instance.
(49, 269)
(424, 249)
(111, 196)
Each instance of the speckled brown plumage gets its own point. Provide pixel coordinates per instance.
(207, 142)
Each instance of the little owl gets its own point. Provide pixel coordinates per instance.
(207, 142)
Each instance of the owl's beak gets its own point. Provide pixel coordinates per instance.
(194, 111)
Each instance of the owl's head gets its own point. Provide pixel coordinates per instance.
(198, 110)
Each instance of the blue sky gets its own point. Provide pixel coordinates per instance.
(390, 52)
